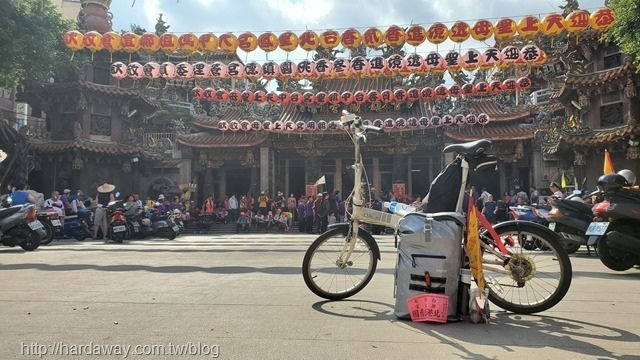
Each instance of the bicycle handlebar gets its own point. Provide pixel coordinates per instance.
(348, 118)
(374, 129)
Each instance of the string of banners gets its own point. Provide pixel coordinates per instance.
(412, 123)
(453, 61)
(394, 36)
(360, 97)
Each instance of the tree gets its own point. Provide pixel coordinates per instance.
(624, 31)
(31, 43)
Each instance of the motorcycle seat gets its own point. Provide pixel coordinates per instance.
(473, 147)
(577, 205)
(10, 211)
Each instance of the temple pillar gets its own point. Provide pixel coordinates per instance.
(538, 165)
(207, 186)
(264, 169)
(222, 177)
(254, 183)
(399, 168)
(377, 179)
(313, 169)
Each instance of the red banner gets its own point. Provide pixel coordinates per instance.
(399, 190)
(312, 190)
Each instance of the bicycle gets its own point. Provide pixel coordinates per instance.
(520, 279)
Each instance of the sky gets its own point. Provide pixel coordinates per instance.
(258, 16)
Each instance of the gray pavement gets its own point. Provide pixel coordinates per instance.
(243, 297)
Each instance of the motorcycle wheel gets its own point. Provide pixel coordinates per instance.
(172, 235)
(48, 228)
(131, 232)
(31, 242)
(117, 237)
(537, 279)
(614, 259)
(80, 234)
(570, 248)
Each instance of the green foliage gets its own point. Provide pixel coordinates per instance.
(31, 43)
(624, 31)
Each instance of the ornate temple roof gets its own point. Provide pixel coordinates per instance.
(495, 131)
(218, 139)
(593, 138)
(104, 148)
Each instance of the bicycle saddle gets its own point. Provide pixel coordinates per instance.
(473, 147)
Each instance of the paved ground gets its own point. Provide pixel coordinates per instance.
(243, 297)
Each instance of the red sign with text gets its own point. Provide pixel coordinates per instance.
(399, 190)
(312, 190)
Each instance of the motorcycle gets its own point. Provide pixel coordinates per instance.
(136, 226)
(534, 213)
(19, 226)
(616, 230)
(570, 218)
(77, 226)
(117, 222)
(51, 224)
(162, 226)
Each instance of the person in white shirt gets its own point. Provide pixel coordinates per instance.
(233, 208)
(557, 193)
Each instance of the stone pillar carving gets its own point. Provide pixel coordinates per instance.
(537, 165)
(313, 169)
(264, 168)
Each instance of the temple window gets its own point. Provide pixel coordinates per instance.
(100, 121)
(612, 58)
(101, 75)
(611, 113)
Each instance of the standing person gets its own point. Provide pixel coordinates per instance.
(280, 202)
(243, 203)
(333, 201)
(104, 197)
(484, 196)
(316, 212)
(301, 216)
(341, 211)
(324, 211)
(250, 202)
(308, 212)
(292, 203)
(66, 202)
(208, 205)
(233, 207)
(489, 210)
(533, 194)
(506, 198)
(263, 200)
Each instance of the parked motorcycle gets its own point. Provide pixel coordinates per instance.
(77, 226)
(51, 223)
(117, 221)
(162, 226)
(570, 218)
(616, 229)
(19, 226)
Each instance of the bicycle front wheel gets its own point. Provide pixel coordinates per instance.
(329, 277)
(533, 279)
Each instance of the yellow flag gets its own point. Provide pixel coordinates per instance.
(473, 244)
(608, 164)
(564, 181)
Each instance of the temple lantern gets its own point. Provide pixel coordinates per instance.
(387, 96)
(482, 30)
(471, 59)
(378, 123)
(435, 121)
(118, 70)
(322, 125)
(296, 98)
(201, 70)
(248, 96)
(188, 43)
(219, 70)
(377, 65)
(347, 97)
(471, 119)
(395, 36)
(322, 98)
(373, 96)
(149, 42)
(542, 59)
(288, 126)
(504, 28)
(400, 95)
(270, 70)
(259, 96)
(74, 40)
(308, 98)
(247, 42)
(334, 98)
(288, 41)
(416, 35)
(577, 21)
(288, 69)
(400, 123)
(168, 70)
(509, 85)
(208, 43)
(483, 119)
(524, 83)
(92, 40)
(266, 125)
(528, 26)
(169, 43)
(222, 95)
(151, 70)
(440, 92)
(530, 53)
(427, 93)
(447, 120)
(413, 94)
(414, 62)
(359, 65)
(360, 97)
(423, 122)
(459, 119)
(459, 32)
(395, 63)
(437, 33)
(330, 39)
(490, 57)
(455, 91)
(324, 67)
(235, 96)
(268, 42)
(209, 94)
(552, 25)
(184, 70)
(602, 18)
(495, 87)
(312, 125)
(234, 125)
(372, 38)
(434, 60)
(228, 43)
(223, 125)
(111, 41)
(273, 97)
(482, 88)
(284, 97)
(453, 60)
(245, 125)
(256, 125)
(333, 125)
(306, 68)
(235, 69)
(130, 42)
(467, 89)
(309, 41)
(301, 126)
(510, 54)
(351, 38)
(253, 70)
(135, 71)
(341, 66)
(389, 123)
(412, 122)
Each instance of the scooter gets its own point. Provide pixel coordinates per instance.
(570, 218)
(77, 226)
(52, 225)
(19, 226)
(117, 222)
(162, 226)
(616, 230)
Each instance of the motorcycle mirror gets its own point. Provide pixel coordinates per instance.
(117, 194)
(577, 192)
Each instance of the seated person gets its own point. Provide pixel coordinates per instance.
(221, 215)
(260, 221)
(242, 223)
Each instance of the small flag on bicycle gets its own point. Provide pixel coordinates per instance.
(321, 181)
(608, 164)
(563, 183)
(473, 244)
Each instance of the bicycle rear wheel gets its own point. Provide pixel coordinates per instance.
(537, 278)
(328, 279)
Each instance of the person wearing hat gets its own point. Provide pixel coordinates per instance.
(100, 221)
(66, 201)
(263, 201)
